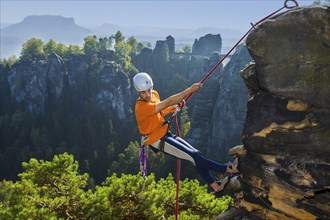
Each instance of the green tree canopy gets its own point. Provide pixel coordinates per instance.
(50, 47)
(105, 45)
(139, 47)
(186, 49)
(122, 54)
(61, 49)
(74, 49)
(33, 48)
(55, 190)
(91, 46)
(133, 43)
(47, 190)
(119, 37)
(10, 61)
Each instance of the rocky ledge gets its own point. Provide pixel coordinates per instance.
(284, 163)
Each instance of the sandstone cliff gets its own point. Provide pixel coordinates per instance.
(37, 86)
(285, 163)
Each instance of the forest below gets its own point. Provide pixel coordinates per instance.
(73, 125)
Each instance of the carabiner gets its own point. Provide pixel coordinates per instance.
(289, 7)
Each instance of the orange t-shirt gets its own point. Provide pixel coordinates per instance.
(149, 122)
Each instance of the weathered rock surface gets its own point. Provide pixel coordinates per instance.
(114, 93)
(201, 120)
(285, 173)
(38, 85)
(292, 55)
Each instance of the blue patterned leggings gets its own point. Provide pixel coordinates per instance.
(181, 149)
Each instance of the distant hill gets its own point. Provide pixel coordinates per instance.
(44, 27)
(3, 25)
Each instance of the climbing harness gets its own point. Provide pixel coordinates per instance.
(182, 104)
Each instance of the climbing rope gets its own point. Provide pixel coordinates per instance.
(178, 171)
(182, 104)
(143, 164)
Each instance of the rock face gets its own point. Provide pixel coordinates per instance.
(143, 61)
(38, 85)
(114, 93)
(203, 108)
(285, 173)
(297, 64)
(204, 100)
(230, 107)
(220, 108)
(171, 44)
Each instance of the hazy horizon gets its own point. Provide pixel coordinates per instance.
(162, 13)
(180, 15)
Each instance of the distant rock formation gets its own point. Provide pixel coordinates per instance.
(143, 60)
(170, 43)
(192, 66)
(207, 44)
(285, 173)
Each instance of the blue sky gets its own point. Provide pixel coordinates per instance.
(162, 13)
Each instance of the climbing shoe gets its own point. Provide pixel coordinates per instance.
(232, 167)
(222, 183)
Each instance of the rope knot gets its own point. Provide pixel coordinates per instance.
(290, 7)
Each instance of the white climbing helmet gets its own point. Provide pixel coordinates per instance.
(142, 82)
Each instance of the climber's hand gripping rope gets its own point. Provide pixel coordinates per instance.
(179, 107)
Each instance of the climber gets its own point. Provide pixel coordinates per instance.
(150, 112)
